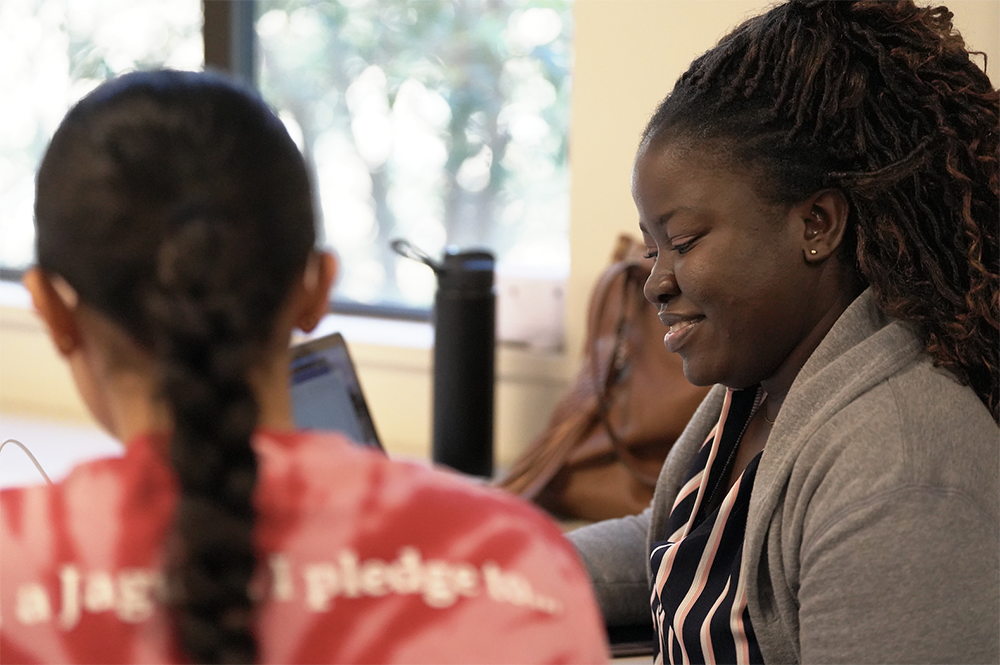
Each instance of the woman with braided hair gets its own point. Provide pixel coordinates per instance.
(176, 254)
(820, 194)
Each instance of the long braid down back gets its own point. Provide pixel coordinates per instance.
(177, 206)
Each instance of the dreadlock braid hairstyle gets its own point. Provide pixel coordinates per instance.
(881, 101)
(176, 205)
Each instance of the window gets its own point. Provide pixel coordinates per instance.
(56, 51)
(442, 122)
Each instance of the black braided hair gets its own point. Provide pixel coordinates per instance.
(176, 204)
(882, 101)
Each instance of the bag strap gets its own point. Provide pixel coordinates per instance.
(578, 412)
(607, 380)
(546, 456)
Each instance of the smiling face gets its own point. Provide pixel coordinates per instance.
(730, 280)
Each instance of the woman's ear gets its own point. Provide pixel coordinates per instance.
(824, 223)
(55, 301)
(317, 280)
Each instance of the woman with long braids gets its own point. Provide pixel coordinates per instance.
(820, 194)
(176, 254)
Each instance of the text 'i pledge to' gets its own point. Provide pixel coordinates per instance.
(439, 583)
(132, 593)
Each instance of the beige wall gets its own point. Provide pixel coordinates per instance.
(628, 53)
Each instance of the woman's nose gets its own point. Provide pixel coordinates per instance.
(661, 285)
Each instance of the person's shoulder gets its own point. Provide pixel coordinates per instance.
(916, 411)
(934, 400)
(88, 479)
(45, 528)
(461, 497)
(349, 474)
(919, 429)
(948, 435)
(476, 494)
(918, 406)
(455, 552)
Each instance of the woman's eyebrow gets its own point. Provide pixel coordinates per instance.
(662, 220)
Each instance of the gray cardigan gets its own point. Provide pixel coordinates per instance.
(874, 525)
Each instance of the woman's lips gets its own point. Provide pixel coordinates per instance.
(678, 331)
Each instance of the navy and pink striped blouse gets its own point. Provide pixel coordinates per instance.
(699, 596)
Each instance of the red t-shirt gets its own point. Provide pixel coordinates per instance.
(362, 560)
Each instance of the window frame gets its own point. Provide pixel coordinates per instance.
(227, 32)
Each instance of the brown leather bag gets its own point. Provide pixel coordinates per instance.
(607, 438)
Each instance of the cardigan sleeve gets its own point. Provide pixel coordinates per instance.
(614, 553)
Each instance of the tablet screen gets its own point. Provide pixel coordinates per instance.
(326, 394)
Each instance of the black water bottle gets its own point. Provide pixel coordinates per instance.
(464, 345)
(464, 337)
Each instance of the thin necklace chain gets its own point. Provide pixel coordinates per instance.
(758, 404)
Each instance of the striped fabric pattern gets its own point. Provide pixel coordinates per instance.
(698, 598)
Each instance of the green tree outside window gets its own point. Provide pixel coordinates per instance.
(443, 122)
